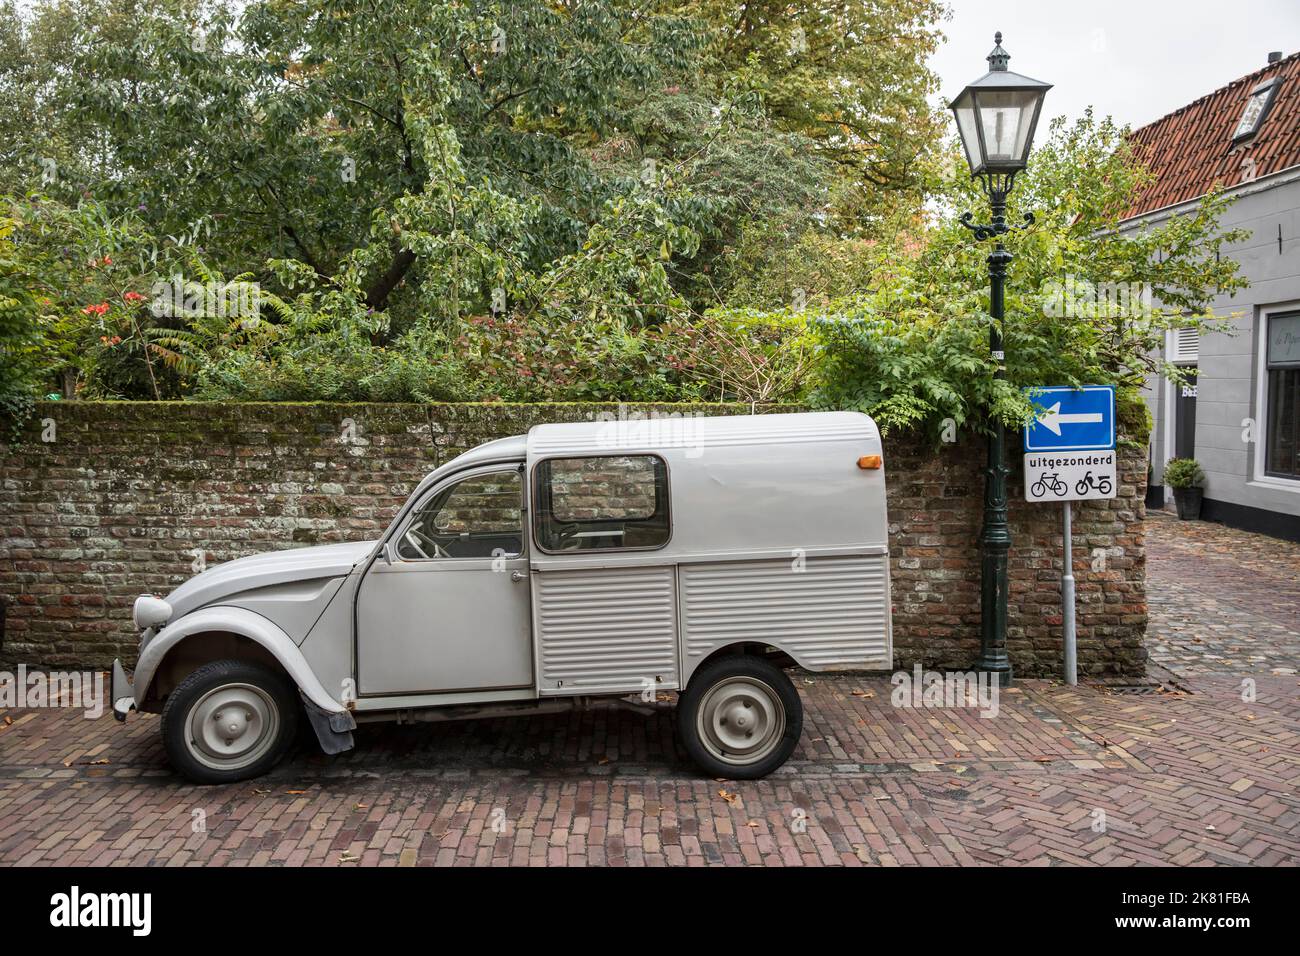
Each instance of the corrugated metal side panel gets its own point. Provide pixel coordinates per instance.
(701, 437)
(696, 433)
(605, 630)
(832, 612)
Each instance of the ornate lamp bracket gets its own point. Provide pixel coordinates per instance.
(997, 228)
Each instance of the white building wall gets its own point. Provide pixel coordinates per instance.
(1230, 365)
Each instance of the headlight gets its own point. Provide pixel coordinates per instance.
(150, 611)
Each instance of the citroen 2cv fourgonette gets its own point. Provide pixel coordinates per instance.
(606, 559)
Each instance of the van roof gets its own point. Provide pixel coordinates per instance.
(677, 430)
(670, 430)
(809, 496)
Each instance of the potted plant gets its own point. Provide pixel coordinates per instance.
(1185, 476)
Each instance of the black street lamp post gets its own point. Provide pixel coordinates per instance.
(996, 116)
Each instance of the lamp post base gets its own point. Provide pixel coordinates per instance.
(1000, 670)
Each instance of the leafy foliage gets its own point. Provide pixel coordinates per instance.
(20, 336)
(1085, 303)
(548, 201)
(92, 277)
(851, 79)
(1184, 473)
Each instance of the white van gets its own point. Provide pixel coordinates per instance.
(606, 559)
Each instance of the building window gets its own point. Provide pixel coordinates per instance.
(1257, 104)
(1282, 395)
(611, 502)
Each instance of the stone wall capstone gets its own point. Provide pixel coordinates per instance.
(101, 501)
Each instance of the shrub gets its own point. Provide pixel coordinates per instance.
(1183, 473)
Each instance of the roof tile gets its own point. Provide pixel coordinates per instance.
(1191, 149)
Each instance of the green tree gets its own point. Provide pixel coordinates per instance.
(434, 153)
(433, 150)
(20, 333)
(851, 78)
(93, 277)
(1085, 303)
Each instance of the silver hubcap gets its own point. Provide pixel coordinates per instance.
(741, 720)
(232, 726)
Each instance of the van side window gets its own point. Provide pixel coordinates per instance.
(478, 517)
(602, 503)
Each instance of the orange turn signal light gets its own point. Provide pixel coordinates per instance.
(869, 461)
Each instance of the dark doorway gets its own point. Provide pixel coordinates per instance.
(1185, 416)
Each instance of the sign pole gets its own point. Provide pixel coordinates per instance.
(1067, 599)
(1070, 456)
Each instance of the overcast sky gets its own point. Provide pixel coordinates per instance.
(1134, 59)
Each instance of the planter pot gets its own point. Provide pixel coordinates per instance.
(1188, 502)
(1155, 497)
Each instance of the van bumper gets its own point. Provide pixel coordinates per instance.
(123, 694)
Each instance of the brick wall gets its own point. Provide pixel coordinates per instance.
(125, 497)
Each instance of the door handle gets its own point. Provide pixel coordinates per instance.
(516, 576)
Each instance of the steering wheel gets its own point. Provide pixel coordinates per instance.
(415, 538)
(564, 536)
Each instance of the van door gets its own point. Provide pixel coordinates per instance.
(450, 612)
(604, 607)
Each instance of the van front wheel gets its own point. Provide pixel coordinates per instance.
(229, 720)
(739, 717)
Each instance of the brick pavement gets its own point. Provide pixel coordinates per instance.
(1221, 600)
(1189, 773)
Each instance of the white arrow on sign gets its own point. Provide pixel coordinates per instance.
(1052, 419)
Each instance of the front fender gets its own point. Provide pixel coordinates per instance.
(235, 620)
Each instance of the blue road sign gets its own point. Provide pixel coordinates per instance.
(1071, 419)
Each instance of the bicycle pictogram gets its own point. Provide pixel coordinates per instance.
(1049, 482)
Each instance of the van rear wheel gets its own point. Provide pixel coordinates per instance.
(740, 717)
(230, 720)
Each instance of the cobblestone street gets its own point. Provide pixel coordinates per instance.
(1189, 770)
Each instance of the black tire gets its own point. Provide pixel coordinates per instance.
(737, 671)
(268, 694)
